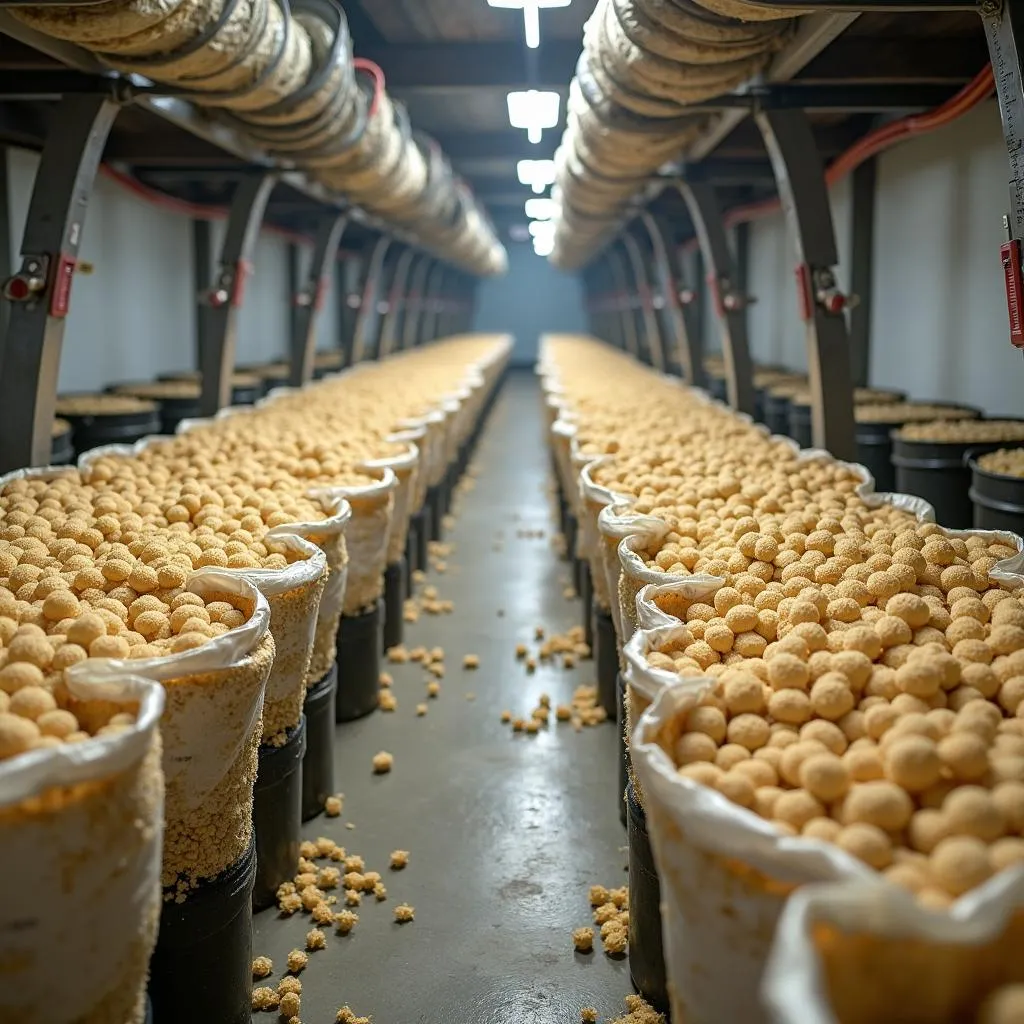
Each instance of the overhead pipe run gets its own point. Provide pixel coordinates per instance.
(283, 75)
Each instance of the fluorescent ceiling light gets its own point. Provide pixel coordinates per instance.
(538, 174)
(542, 229)
(541, 209)
(531, 15)
(519, 233)
(544, 246)
(533, 111)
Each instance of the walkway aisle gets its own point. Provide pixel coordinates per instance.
(506, 832)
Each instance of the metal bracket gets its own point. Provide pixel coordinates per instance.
(800, 176)
(396, 302)
(730, 303)
(415, 303)
(40, 292)
(309, 300)
(687, 353)
(367, 319)
(648, 315)
(621, 292)
(218, 315)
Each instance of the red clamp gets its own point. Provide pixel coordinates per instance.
(1010, 256)
(714, 287)
(804, 292)
(243, 268)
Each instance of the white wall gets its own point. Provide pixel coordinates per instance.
(939, 324)
(134, 316)
(532, 299)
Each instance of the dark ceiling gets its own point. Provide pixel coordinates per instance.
(452, 62)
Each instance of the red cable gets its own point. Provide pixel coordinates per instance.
(377, 73)
(198, 211)
(978, 89)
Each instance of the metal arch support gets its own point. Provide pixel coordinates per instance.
(610, 324)
(622, 303)
(309, 299)
(40, 293)
(648, 314)
(687, 353)
(415, 303)
(349, 299)
(432, 297)
(218, 317)
(800, 176)
(367, 317)
(396, 300)
(706, 213)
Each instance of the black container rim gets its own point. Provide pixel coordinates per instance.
(985, 501)
(320, 691)
(212, 896)
(276, 763)
(971, 461)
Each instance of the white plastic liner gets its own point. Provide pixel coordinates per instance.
(891, 960)
(80, 842)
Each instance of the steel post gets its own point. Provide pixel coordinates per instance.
(366, 321)
(308, 299)
(861, 248)
(350, 271)
(645, 296)
(722, 279)
(431, 304)
(218, 316)
(397, 298)
(40, 292)
(622, 303)
(800, 175)
(414, 303)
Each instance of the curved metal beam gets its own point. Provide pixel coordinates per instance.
(368, 306)
(396, 299)
(414, 304)
(622, 303)
(648, 315)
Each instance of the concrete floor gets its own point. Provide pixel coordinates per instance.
(506, 832)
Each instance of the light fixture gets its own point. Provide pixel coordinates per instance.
(533, 111)
(544, 246)
(541, 209)
(538, 174)
(531, 15)
(542, 229)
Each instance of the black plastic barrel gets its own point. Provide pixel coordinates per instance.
(646, 953)
(424, 532)
(718, 388)
(277, 814)
(360, 638)
(776, 413)
(606, 658)
(62, 449)
(875, 446)
(760, 398)
(998, 500)
(800, 424)
(246, 394)
(938, 473)
(571, 528)
(394, 603)
(318, 761)
(203, 955)
(174, 410)
(90, 432)
(435, 499)
(587, 603)
(620, 721)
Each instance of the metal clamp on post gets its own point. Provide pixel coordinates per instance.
(219, 307)
(800, 176)
(730, 304)
(414, 303)
(40, 291)
(366, 321)
(309, 300)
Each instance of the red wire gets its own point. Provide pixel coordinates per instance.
(377, 73)
(978, 89)
(198, 211)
